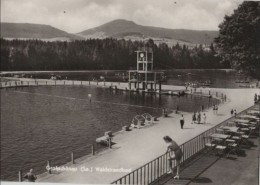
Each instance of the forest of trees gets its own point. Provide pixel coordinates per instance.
(239, 39)
(100, 54)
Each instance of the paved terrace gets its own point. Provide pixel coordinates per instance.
(241, 169)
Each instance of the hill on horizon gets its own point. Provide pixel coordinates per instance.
(34, 31)
(123, 29)
(118, 29)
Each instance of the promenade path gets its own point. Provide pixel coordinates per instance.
(139, 146)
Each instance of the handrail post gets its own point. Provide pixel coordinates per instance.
(20, 176)
(93, 149)
(48, 167)
(158, 170)
(72, 158)
(109, 142)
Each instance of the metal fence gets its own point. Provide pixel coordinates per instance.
(153, 171)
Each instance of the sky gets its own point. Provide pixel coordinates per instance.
(75, 16)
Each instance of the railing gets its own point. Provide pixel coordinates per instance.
(39, 82)
(153, 171)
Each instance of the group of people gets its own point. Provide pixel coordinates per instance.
(196, 118)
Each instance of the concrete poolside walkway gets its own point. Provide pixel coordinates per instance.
(137, 147)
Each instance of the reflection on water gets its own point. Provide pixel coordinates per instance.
(39, 123)
(217, 78)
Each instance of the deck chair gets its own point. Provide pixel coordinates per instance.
(244, 141)
(232, 148)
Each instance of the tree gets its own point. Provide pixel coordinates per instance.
(239, 39)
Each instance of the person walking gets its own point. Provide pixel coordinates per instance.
(204, 118)
(214, 109)
(182, 121)
(194, 118)
(173, 147)
(30, 176)
(202, 108)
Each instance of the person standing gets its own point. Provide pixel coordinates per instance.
(231, 112)
(194, 118)
(30, 176)
(173, 148)
(202, 108)
(177, 109)
(199, 118)
(255, 99)
(204, 118)
(235, 113)
(214, 109)
(182, 121)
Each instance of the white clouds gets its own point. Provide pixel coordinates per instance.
(84, 14)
